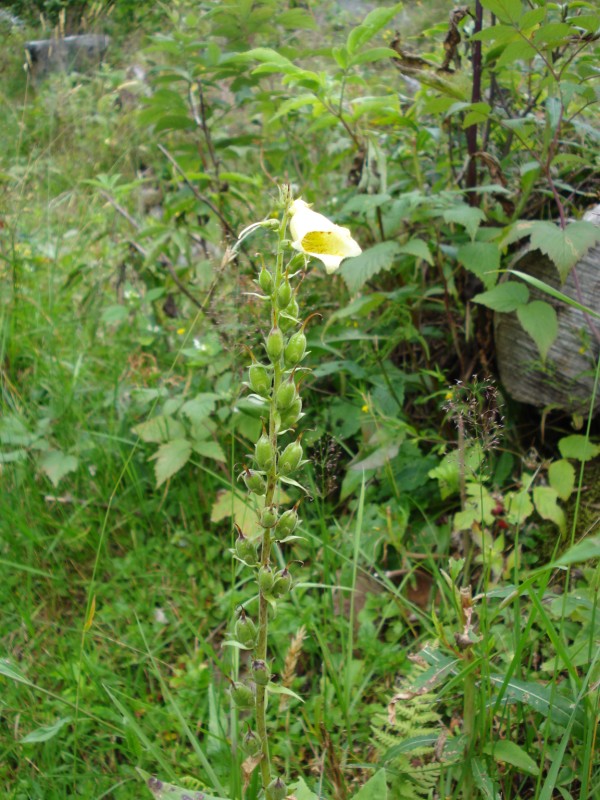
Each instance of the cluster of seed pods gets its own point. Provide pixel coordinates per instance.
(278, 454)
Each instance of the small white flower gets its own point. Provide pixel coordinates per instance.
(317, 236)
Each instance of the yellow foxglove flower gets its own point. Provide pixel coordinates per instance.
(317, 236)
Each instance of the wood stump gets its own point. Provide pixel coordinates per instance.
(70, 53)
(566, 380)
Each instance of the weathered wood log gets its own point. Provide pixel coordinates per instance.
(71, 53)
(566, 380)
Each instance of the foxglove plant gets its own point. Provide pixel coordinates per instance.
(274, 381)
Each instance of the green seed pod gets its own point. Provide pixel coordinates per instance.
(290, 458)
(268, 517)
(266, 579)
(287, 523)
(260, 672)
(283, 583)
(276, 790)
(295, 350)
(284, 295)
(254, 482)
(264, 453)
(259, 379)
(265, 281)
(291, 415)
(275, 344)
(286, 394)
(245, 549)
(245, 630)
(242, 695)
(252, 744)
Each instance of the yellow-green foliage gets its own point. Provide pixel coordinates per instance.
(414, 774)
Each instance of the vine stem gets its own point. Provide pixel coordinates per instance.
(265, 556)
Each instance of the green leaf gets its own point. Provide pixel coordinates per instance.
(578, 447)
(564, 247)
(200, 407)
(467, 216)
(170, 458)
(540, 321)
(518, 507)
(371, 25)
(45, 732)
(520, 50)
(57, 464)
(209, 449)
(561, 475)
(373, 54)
(483, 781)
(374, 789)
(505, 10)
(504, 297)
(418, 248)
(482, 259)
(545, 500)
(586, 550)
(159, 429)
(301, 791)
(357, 271)
(161, 790)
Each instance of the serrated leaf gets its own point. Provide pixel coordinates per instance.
(540, 321)
(504, 297)
(578, 447)
(561, 475)
(418, 248)
(505, 10)
(209, 449)
(482, 259)
(564, 247)
(545, 500)
(357, 271)
(170, 458)
(200, 407)
(45, 732)
(370, 26)
(467, 216)
(374, 789)
(57, 464)
(159, 429)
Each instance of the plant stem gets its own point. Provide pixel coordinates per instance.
(265, 556)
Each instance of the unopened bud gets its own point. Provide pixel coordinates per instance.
(268, 517)
(276, 790)
(252, 744)
(264, 453)
(295, 350)
(291, 415)
(283, 583)
(274, 344)
(284, 294)
(245, 549)
(287, 523)
(260, 672)
(286, 394)
(266, 579)
(254, 482)
(290, 458)
(265, 281)
(245, 630)
(259, 379)
(242, 695)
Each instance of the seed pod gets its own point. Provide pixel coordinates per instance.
(245, 630)
(287, 523)
(291, 415)
(259, 379)
(283, 583)
(284, 295)
(245, 549)
(264, 453)
(276, 790)
(265, 281)
(295, 350)
(254, 482)
(286, 394)
(268, 517)
(260, 672)
(290, 320)
(242, 695)
(266, 579)
(290, 458)
(252, 744)
(274, 344)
